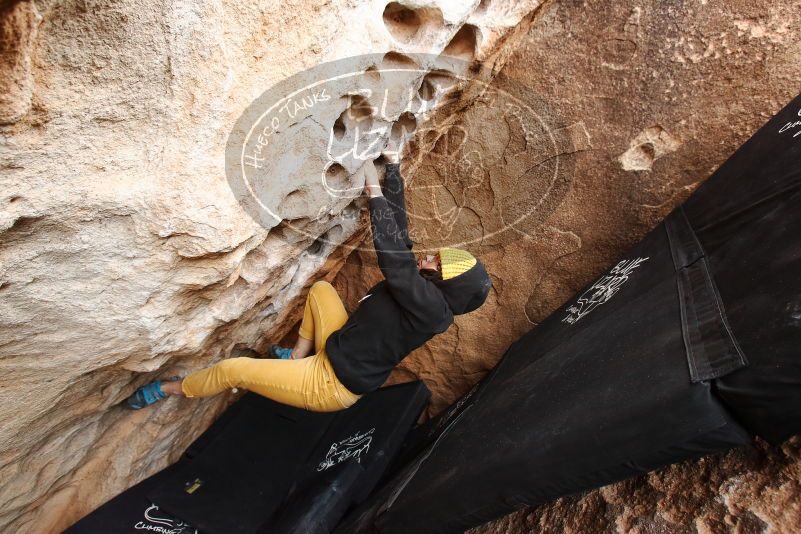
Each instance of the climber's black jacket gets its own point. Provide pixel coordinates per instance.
(404, 310)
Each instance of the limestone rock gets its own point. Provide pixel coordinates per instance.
(18, 26)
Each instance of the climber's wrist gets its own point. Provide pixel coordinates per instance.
(373, 190)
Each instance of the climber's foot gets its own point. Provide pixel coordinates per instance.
(148, 394)
(280, 353)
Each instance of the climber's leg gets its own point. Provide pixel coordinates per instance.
(324, 313)
(283, 381)
(323, 308)
(308, 383)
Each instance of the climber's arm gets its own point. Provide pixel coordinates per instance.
(394, 193)
(421, 299)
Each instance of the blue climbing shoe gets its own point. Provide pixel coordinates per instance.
(148, 394)
(280, 353)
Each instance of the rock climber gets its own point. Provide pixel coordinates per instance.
(354, 355)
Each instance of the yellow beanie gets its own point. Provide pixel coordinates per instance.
(455, 262)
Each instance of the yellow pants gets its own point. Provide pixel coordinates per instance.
(308, 383)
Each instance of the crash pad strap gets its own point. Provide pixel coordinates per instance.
(711, 349)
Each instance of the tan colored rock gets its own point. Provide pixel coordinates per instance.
(18, 26)
(124, 254)
(650, 145)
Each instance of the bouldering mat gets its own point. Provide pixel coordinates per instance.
(271, 457)
(131, 512)
(266, 467)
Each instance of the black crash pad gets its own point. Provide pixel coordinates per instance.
(266, 467)
(747, 218)
(132, 511)
(271, 457)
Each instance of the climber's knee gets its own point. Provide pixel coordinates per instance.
(322, 286)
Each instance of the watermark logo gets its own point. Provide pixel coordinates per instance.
(157, 521)
(484, 160)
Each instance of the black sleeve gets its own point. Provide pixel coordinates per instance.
(393, 192)
(420, 298)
